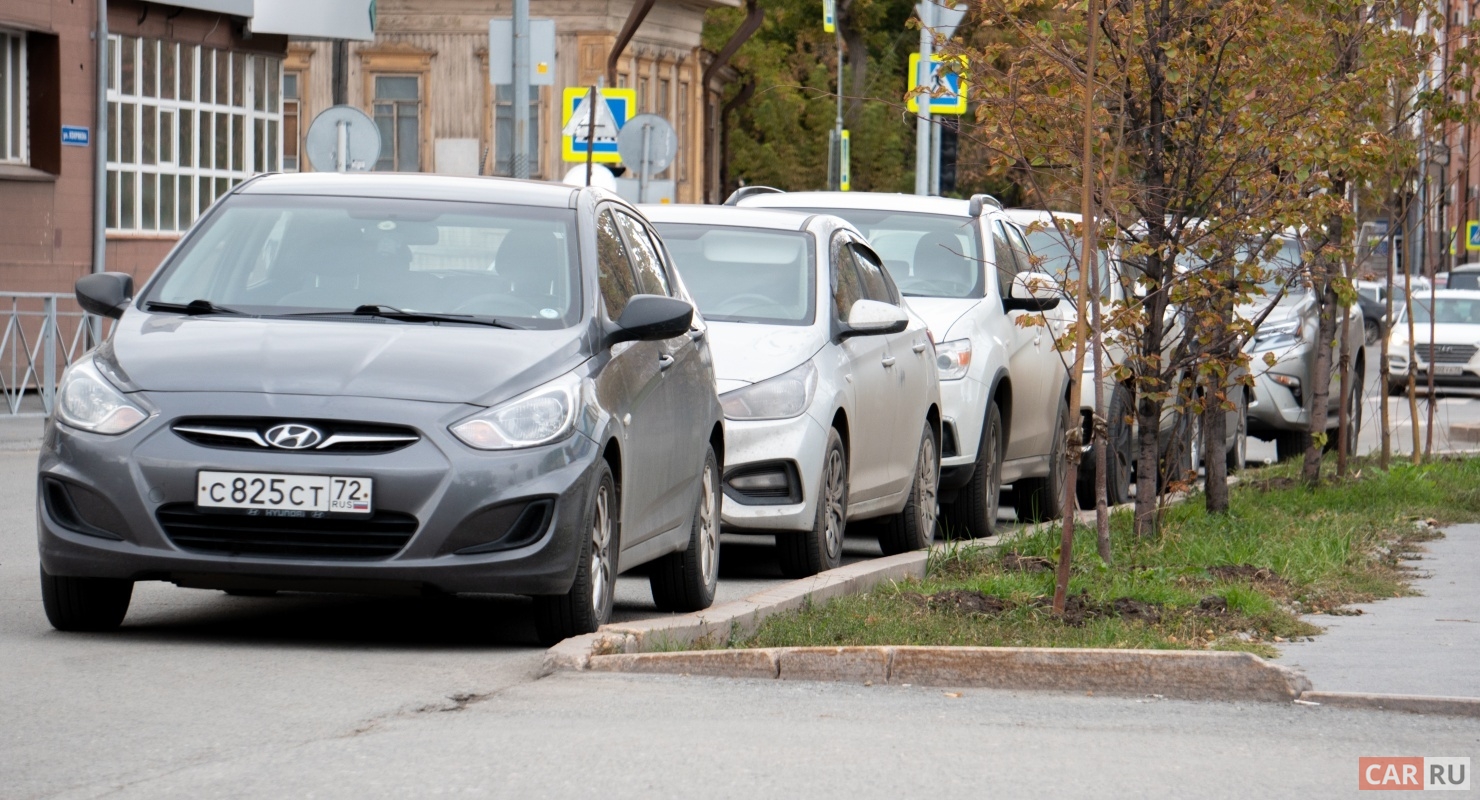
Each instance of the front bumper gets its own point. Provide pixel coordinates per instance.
(453, 495)
(964, 408)
(798, 445)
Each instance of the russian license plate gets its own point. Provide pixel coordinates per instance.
(282, 495)
(1448, 369)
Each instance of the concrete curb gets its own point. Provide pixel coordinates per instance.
(1179, 674)
(721, 623)
(1410, 703)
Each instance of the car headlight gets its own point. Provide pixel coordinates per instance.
(782, 397)
(953, 358)
(88, 401)
(1277, 335)
(539, 416)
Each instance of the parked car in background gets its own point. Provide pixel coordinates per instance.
(390, 383)
(1372, 300)
(1454, 317)
(963, 267)
(829, 386)
(1466, 276)
(1283, 393)
(1054, 237)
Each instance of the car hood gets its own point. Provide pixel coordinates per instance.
(940, 313)
(392, 360)
(749, 353)
(1444, 333)
(1289, 307)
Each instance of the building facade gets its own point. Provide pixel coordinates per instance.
(425, 81)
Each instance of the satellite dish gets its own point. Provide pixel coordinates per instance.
(346, 129)
(661, 147)
(601, 177)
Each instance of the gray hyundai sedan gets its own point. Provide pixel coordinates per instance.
(390, 383)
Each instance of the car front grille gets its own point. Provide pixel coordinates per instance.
(1446, 353)
(250, 433)
(379, 536)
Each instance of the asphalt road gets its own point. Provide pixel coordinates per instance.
(201, 694)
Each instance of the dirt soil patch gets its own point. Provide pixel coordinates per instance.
(1016, 562)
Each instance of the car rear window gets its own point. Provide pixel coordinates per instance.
(276, 254)
(746, 274)
(1463, 280)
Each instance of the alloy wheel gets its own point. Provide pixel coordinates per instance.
(601, 556)
(709, 527)
(926, 490)
(834, 489)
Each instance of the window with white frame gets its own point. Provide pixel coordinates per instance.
(12, 98)
(185, 124)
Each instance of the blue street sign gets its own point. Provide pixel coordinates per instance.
(1472, 235)
(76, 135)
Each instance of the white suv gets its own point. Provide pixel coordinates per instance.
(1002, 384)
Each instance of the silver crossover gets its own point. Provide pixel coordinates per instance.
(382, 383)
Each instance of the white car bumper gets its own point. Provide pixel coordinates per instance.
(793, 447)
(964, 407)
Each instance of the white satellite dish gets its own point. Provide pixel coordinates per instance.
(601, 177)
(342, 139)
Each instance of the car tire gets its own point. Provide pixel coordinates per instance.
(588, 604)
(974, 512)
(1238, 455)
(1183, 453)
(1042, 499)
(805, 553)
(1371, 331)
(84, 604)
(686, 580)
(914, 527)
(1290, 444)
(1119, 458)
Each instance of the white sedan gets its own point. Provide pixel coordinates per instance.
(829, 385)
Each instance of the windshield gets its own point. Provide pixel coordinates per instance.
(1449, 311)
(1280, 269)
(746, 274)
(927, 255)
(1464, 280)
(275, 255)
(1052, 255)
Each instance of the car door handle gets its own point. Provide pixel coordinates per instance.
(888, 361)
(920, 348)
(664, 362)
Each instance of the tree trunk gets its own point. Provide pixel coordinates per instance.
(1215, 429)
(1320, 381)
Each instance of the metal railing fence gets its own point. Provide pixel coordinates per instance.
(43, 334)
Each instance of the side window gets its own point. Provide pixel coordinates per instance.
(875, 282)
(617, 282)
(847, 286)
(1005, 259)
(1019, 248)
(645, 259)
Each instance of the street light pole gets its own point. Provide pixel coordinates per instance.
(922, 118)
(521, 89)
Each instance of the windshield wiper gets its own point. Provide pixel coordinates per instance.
(193, 308)
(391, 312)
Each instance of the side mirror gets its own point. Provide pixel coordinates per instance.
(652, 317)
(1032, 291)
(105, 293)
(870, 317)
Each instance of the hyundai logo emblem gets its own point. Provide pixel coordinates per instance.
(294, 436)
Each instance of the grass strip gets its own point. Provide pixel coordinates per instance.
(1238, 581)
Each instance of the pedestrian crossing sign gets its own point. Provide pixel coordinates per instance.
(1472, 235)
(617, 106)
(947, 84)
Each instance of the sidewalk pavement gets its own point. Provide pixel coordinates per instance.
(21, 433)
(1428, 645)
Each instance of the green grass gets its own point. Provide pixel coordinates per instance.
(1295, 551)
